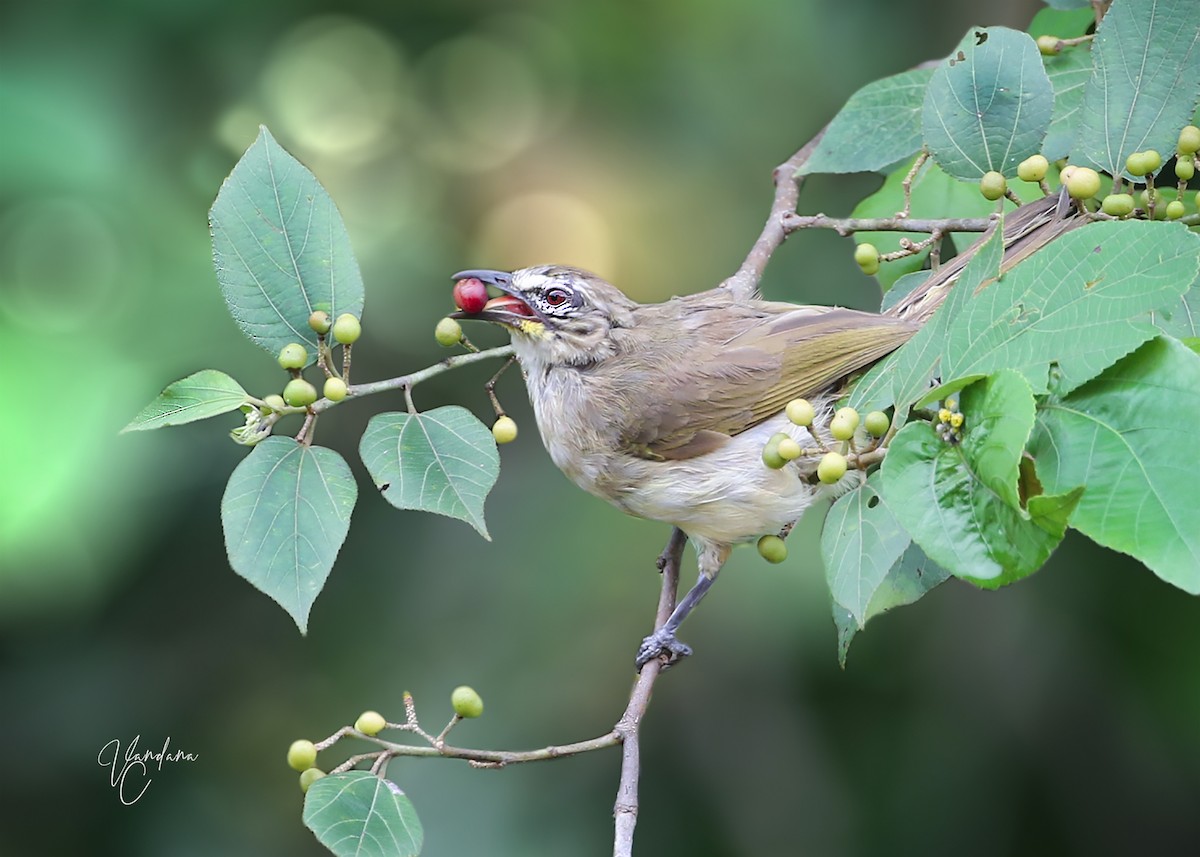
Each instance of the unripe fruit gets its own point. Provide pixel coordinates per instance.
(466, 702)
(1084, 183)
(1117, 204)
(1153, 160)
(788, 449)
(772, 549)
(877, 423)
(308, 777)
(504, 430)
(848, 414)
(867, 257)
(302, 755)
(370, 723)
(1185, 168)
(470, 295)
(1137, 164)
(770, 453)
(1033, 168)
(335, 389)
(992, 185)
(293, 356)
(1189, 140)
(801, 412)
(448, 332)
(1066, 172)
(1048, 46)
(1175, 210)
(841, 428)
(319, 321)
(275, 402)
(299, 393)
(831, 468)
(347, 329)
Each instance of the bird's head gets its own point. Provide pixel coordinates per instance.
(557, 315)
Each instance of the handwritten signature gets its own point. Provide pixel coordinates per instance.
(133, 769)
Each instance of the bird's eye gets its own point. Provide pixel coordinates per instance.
(556, 297)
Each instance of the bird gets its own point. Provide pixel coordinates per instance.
(663, 409)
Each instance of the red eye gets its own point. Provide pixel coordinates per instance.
(556, 297)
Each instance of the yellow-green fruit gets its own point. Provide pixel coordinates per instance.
(370, 723)
(877, 423)
(448, 332)
(841, 428)
(1066, 172)
(319, 321)
(308, 777)
(772, 549)
(293, 356)
(299, 393)
(302, 755)
(1135, 164)
(867, 257)
(347, 329)
(1117, 204)
(848, 414)
(788, 449)
(466, 702)
(770, 453)
(1084, 183)
(1048, 46)
(1189, 140)
(801, 412)
(1175, 210)
(504, 430)
(992, 185)
(335, 389)
(831, 468)
(1033, 168)
(1185, 168)
(275, 402)
(1153, 160)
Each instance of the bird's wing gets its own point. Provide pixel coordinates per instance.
(696, 396)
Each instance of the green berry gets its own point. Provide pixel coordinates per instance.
(867, 257)
(788, 449)
(831, 468)
(841, 428)
(849, 414)
(275, 402)
(1033, 168)
(877, 423)
(1175, 210)
(1189, 140)
(347, 329)
(299, 393)
(1117, 204)
(466, 702)
(293, 356)
(1084, 183)
(801, 412)
(370, 723)
(1048, 46)
(1153, 160)
(448, 332)
(992, 185)
(504, 430)
(302, 755)
(308, 777)
(772, 549)
(1136, 164)
(1185, 168)
(319, 321)
(335, 389)
(770, 453)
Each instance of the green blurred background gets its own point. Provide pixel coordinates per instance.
(1061, 716)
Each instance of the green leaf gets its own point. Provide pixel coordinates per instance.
(1069, 73)
(1081, 304)
(956, 497)
(280, 249)
(357, 814)
(443, 461)
(1062, 21)
(879, 125)
(987, 107)
(1184, 319)
(1069, 4)
(861, 540)
(906, 582)
(204, 394)
(285, 513)
(1126, 436)
(1144, 84)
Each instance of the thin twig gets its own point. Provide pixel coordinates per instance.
(848, 225)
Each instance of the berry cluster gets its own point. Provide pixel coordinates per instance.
(950, 422)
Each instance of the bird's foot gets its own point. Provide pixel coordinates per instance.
(662, 642)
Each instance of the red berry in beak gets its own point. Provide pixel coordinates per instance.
(470, 295)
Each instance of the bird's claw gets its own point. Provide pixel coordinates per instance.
(662, 644)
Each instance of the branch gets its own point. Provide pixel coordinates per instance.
(848, 225)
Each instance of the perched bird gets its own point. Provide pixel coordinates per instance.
(664, 409)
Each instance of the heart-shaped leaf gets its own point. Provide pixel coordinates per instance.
(357, 814)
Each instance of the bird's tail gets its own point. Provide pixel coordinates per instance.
(1026, 230)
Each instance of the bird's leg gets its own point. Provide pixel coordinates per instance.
(662, 641)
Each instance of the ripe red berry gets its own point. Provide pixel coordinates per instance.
(470, 295)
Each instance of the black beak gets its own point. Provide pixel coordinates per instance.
(497, 309)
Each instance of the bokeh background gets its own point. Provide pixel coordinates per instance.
(1061, 716)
